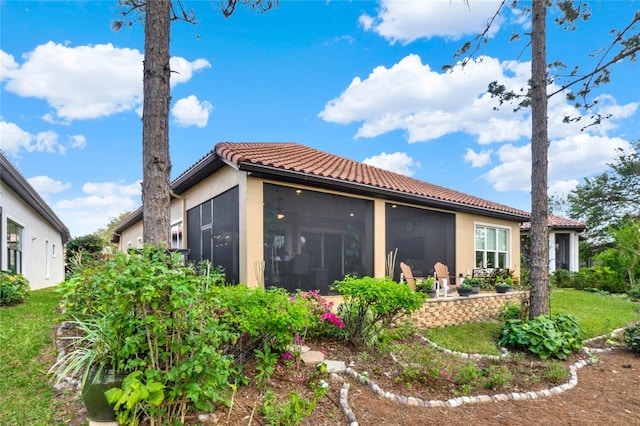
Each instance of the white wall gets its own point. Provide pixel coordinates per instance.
(42, 246)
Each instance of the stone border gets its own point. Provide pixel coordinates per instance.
(459, 401)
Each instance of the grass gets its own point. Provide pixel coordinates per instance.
(478, 337)
(26, 333)
(598, 313)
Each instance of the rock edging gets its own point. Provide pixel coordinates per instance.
(456, 402)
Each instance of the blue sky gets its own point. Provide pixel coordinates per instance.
(360, 79)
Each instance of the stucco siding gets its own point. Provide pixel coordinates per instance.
(465, 240)
(42, 245)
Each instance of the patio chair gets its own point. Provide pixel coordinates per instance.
(408, 275)
(443, 277)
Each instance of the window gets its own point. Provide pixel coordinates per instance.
(14, 247)
(176, 235)
(492, 247)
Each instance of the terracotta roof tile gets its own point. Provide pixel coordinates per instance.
(289, 156)
(559, 223)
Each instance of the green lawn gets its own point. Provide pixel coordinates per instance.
(598, 315)
(26, 333)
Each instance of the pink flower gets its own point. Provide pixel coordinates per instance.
(287, 355)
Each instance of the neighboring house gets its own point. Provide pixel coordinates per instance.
(32, 237)
(283, 214)
(564, 237)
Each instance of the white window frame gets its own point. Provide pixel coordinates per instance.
(486, 251)
(180, 239)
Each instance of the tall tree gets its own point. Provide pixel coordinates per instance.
(156, 163)
(624, 45)
(539, 302)
(603, 201)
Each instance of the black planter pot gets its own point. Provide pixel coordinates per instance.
(93, 394)
(503, 288)
(475, 289)
(431, 293)
(464, 291)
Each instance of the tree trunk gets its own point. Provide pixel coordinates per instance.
(156, 191)
(539, 164)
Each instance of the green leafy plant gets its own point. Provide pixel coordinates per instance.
(497, 377)
(473, 282)
(295, 409)
(167, 316)
(629, 334)
(554, 371)
(546, 335)
(266, 364)
(509, 310)
(14, 288)
(97, 347)
(372, 304)
(425, 284)
(134, 398)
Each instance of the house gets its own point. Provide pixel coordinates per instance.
(32, 237)
(287, 215)
(564, 237)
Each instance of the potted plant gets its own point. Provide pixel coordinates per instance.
(93, 355)
(504, 285)
(465, 289)
(427, 285)
(475, 284)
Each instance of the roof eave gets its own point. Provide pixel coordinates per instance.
(17, 183)
(364, 189)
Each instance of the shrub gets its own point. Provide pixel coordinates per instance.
(562, 278)
(260, 317)
(14, 289)
(167, 315)
(629, 334)
(546, 335)
(634, 292)
(599, 277)
(372, 304)
(509, 310)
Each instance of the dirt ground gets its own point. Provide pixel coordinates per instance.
(607, 393)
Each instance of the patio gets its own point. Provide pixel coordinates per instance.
(453, 310)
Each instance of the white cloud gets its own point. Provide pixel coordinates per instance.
(101, 202)
(106, 189)
(14, 139)
(570, 159)
(398, 162)
(45, 185)
(406, 21)
(85, 82)
(478, 159)
(190, 111)
(428, 104)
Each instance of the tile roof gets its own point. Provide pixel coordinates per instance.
(558, 222)
(293, 157)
